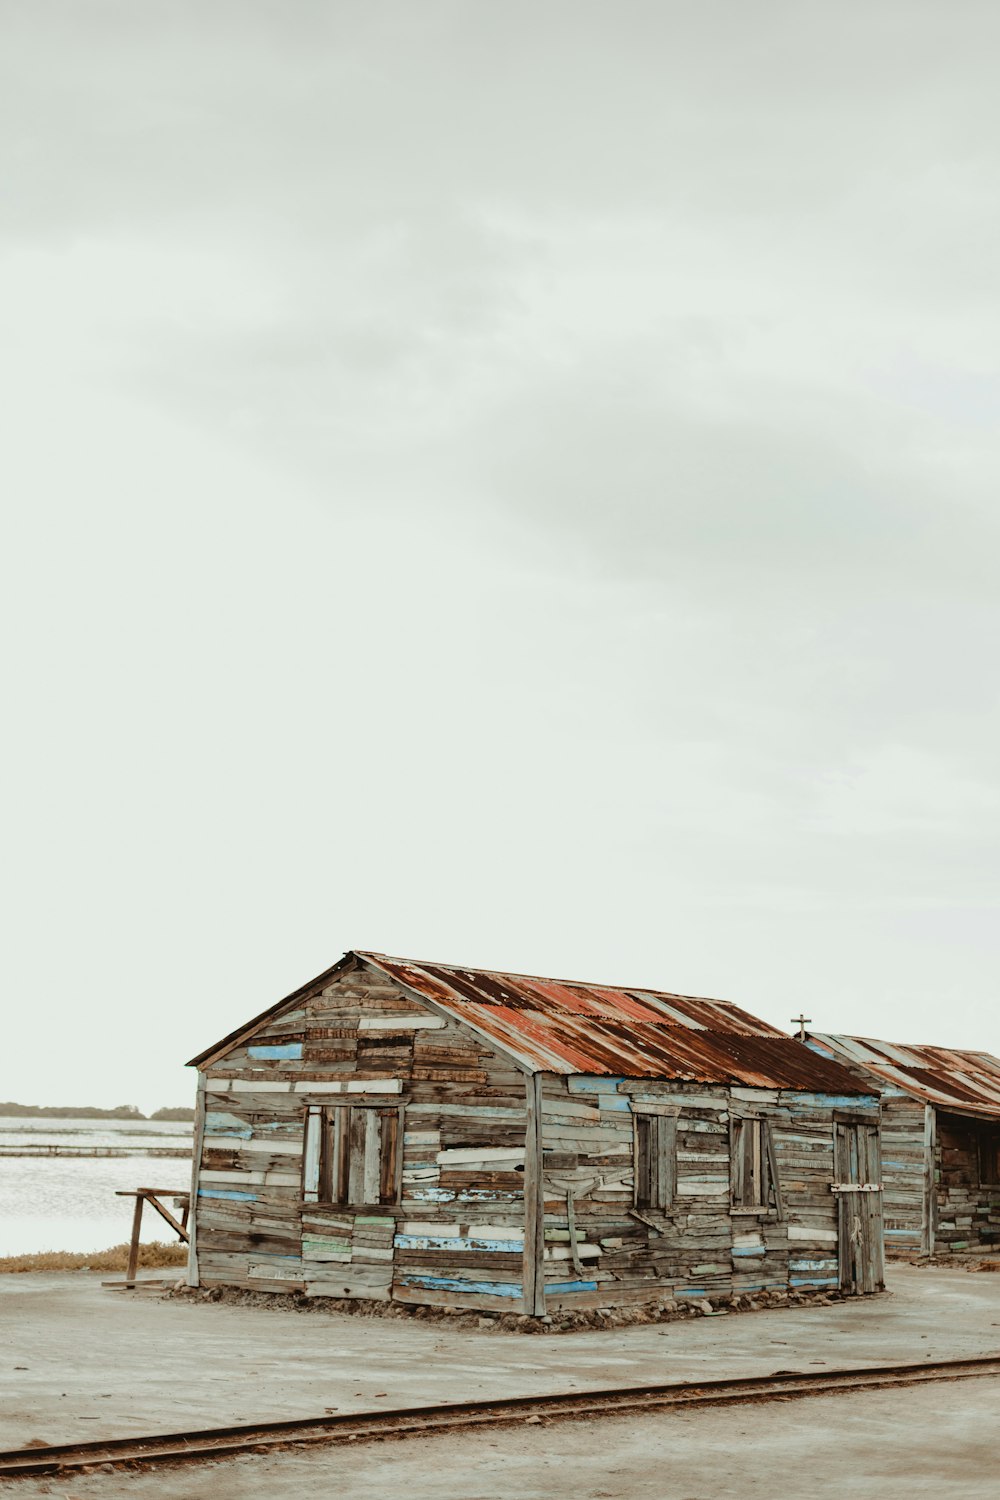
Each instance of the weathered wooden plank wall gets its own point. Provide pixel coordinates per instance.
(456, 1236)
(934, 1200)
(903, 1176)
(613, 1252)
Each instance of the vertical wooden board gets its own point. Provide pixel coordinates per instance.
(311, 1153)
(668, 1130)
(753, 1164)
(644, 1156)
(877, 1235)
(658, 1158)
(841, 1168)
(389, 1125)
(772, 1170)
(844, 1250)
(861, 1224)
(534, 1206)
(341, 1166)
(371, 1178)
(736, 1128)
(398, 1164)
(328, 1129)
(355, 1127)
(197, 1148)
(929, 1205)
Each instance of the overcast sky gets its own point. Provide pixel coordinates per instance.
(507, 483)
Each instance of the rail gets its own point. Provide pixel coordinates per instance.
(421, 1421)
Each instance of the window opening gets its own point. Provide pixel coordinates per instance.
(353, 1154)
(753, 1169)
(655, 1148)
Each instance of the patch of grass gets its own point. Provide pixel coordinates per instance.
(156, 1253)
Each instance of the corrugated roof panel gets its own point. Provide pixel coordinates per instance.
(947, 1077)
(564, 1026)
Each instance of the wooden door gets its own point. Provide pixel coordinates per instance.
(858, 1168)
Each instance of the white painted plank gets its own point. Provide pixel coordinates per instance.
(475, 1155)
(401, 1023)
(310, 1174)
(273, 1146)
(237, 1178)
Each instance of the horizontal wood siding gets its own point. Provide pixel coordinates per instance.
(456, 1235)
(903, 1176)
(600, 1250)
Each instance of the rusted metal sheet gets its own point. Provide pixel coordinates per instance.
(949, 1078)
(560, 1026)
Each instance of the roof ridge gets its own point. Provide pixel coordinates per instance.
(588, 984)
(906, 1046)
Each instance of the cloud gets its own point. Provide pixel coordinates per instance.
(517, 482)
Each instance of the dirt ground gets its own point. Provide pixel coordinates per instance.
(79, 1362)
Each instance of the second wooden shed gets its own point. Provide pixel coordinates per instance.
(941, 1141)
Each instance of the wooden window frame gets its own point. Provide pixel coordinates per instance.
(331, 1135)
(654, 1135)
(764, 1158)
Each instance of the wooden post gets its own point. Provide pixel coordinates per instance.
(534, 1201)
(196, 1150)
(929, 1208)
(133, 1249)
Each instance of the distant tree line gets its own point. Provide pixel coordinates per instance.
(92, 1112)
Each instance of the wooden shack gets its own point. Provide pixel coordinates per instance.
(941, 1141)
(432, 1134)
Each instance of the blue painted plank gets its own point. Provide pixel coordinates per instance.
(835, 1101)
(452, 1284)
(283, 1049)
(814, 1280)
(227, 1193)
(223, 1124)
(593, 1083)
(570, 1286)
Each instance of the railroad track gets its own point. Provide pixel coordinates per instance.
(423, 1421)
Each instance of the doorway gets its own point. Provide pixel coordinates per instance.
(857, 1165)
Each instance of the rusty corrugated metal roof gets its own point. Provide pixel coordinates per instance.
(565, 1026)
(967, 1082)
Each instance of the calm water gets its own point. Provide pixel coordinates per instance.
(67, 1203)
